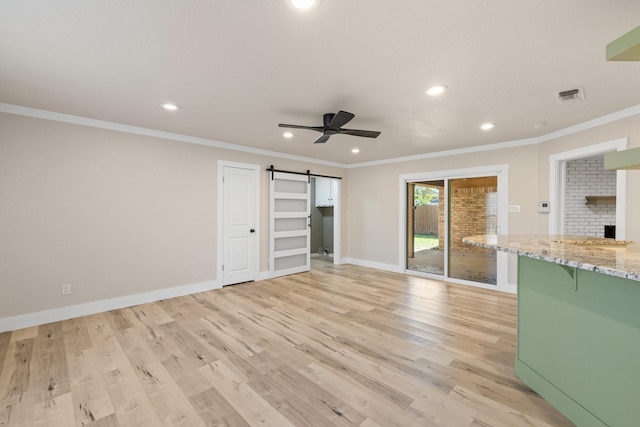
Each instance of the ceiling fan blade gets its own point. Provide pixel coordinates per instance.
(322, 139)
(316, 128)
(340, 119)
(356, 132)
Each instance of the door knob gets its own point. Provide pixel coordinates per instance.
(252, 231)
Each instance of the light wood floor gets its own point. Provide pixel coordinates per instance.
(339, 346)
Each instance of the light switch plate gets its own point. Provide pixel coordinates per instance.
(514, 208)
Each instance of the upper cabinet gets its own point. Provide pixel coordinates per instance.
(622, 160)
(625, 48)
(324, 192)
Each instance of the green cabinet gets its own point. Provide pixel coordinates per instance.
(579, 341)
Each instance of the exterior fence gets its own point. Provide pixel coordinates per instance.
(426, 220)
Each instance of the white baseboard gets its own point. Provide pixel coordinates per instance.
(372, 264)
(56, 314)
(510, 288)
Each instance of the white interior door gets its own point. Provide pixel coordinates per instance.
(289, 225)
(239, 241)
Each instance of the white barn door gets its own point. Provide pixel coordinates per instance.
(289, 250)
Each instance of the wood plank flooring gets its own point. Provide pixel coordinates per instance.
(338, 346)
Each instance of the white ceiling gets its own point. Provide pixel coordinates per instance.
(238, 68)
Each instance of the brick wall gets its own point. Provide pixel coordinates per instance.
(587, 177)
(473, 211)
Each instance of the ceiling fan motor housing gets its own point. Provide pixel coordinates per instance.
(332, 125)
(327, 119)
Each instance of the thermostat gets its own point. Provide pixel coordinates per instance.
(543, 206)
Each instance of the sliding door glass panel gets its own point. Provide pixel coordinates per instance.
(425, 227)
(473, 210)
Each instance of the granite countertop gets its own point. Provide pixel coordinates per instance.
(607, 256)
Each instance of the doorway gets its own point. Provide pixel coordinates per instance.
(602, 202)
(589, 198)
(437, 221)
(323, 201)
(425, 226)
(442, 208)
(293, 195)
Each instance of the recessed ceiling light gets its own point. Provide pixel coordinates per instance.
(540, 125)
(436, 90)
(355, 151)
(303, 5)
(170, 107)
(287, 135)
(487, 126)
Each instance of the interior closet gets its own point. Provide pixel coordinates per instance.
(322, 204)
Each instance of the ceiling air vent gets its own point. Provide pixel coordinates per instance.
(571, 95)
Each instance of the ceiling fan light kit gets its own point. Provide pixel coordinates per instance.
(332, 125)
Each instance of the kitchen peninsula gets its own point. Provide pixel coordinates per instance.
(578, 324)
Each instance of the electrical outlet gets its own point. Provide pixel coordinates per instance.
(514, 208)
(66, 289)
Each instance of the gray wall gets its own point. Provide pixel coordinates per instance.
(327, 228)
(317, 222)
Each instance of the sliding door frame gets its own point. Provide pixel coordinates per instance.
(502, 174)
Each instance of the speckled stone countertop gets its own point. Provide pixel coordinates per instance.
(606, 256)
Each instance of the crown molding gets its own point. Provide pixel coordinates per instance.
(457, 151)
(102, 124)
(609, 118)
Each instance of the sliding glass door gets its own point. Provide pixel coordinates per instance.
(473, 210)
(439, 214)
(425, 225)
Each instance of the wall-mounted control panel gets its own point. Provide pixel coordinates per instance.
(543, 207)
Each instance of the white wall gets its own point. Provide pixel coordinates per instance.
(116, 214)
(113, 214)
(373, 223)
(372, 219)
(628, 127)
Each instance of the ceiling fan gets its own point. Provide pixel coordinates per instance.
(333, 125)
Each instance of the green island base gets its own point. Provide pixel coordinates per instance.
(579, 341)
